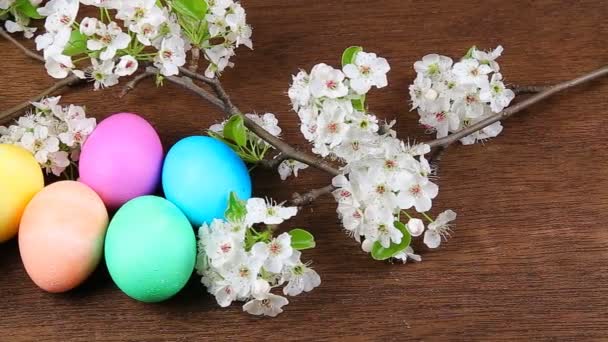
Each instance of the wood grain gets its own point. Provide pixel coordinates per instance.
(529, 258)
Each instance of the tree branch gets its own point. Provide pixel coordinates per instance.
(196, 76)
(135, 81)
(224, 102)
(518, 107)
(273, 163)
(21, 47)
(10, 113)
(188, 84)
(299, 200)
(528, 89)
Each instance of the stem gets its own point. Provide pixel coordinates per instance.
(13, 111)
(518, 107)
(21, 47)
(307, 198)
(135, 81)
(196, 55)
(428, 217)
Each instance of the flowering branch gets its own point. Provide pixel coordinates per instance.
(550, 91)
(223, 102)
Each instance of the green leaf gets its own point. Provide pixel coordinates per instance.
(359, 104)
(235, 130)
(237, 208)
(26, 8)
(76, 45)
(381, 253)
(349, 55)
(302, 239)
(196, 9)
(470, 52)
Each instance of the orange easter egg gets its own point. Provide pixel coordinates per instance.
(62, 234)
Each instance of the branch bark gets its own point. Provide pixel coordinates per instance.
(135, 81)
(518, 107)
(10, 113)
(517, 89)
(299, 200)
(21, 47)
(273, 163)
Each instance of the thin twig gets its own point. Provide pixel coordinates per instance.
(10, 113)
(518, 90)
(21, 47)
(518, 107)
(299, 200)
(196, 76)
(135, 81)
(187, 83)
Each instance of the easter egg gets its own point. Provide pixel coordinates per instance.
(150, 249)
(61, 235)
(122, 159)
(199, 174)
(20, 179)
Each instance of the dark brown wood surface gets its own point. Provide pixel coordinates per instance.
(529, 257)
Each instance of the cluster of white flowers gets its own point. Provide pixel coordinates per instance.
(21, 13)
(52, 133)
(239, 263)
(383, 177)
(227, 22)
(324, 98)
(127, 32)
(451, 96)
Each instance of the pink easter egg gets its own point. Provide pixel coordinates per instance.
(122, 159)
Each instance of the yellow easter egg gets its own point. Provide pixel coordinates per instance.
(20, 179)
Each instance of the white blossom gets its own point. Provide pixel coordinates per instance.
(326, 81)
(103, 74)
(367, 70)
(108, 38)
(299, 277)
(440, 228)
(496, 93)
(267, 211)
(170, 56)
(290, 167)
(268, 305)
(126, 66)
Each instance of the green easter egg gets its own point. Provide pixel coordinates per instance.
(150, 249)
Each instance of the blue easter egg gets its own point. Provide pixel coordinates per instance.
(198, 176)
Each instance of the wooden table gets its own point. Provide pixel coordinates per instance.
(529, 257)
